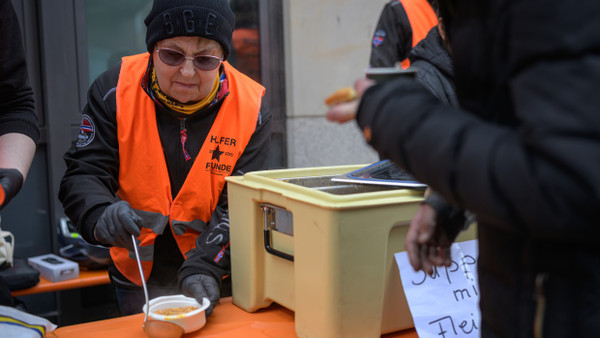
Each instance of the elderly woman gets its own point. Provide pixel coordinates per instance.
(159, 134)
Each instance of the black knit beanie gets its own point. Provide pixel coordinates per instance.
(211, 19)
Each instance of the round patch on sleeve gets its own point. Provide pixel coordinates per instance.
(87, 131)
(378, 38)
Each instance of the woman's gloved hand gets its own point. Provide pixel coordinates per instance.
(11, 181)
(202, 286)
(116, 225)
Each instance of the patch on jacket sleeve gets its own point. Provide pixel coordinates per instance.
(378, 38)
(87, 131)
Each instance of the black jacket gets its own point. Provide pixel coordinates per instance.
(434, 67)
(393, 36)
(523, 154)
(17, 113)
(90, 182)
(392, 39)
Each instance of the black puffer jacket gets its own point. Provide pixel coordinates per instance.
(524, 155)
(434, 66)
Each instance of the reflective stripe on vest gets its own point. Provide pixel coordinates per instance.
(422, 18)
(143, 175)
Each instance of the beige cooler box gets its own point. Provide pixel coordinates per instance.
(322, 249)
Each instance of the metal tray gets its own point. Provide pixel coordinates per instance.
(326, 184)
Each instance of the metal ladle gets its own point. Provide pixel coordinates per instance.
(155, 328)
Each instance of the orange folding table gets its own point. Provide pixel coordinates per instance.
(86, 278)
(227, 321)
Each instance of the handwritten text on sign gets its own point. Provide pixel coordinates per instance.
(445, 304)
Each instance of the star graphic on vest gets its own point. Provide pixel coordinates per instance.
(217, 154)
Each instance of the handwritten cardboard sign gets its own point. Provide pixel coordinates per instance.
(445, 304)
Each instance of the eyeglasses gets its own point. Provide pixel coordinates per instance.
(173, 57)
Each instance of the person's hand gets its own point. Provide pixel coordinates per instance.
(11, 181)
(116, 225)
(346, 111)
(426, 243)
(202, 286)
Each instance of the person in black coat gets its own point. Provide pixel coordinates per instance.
(399, 29)
(19, 131)
(521, 152)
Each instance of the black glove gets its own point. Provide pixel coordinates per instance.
(116, 225)
(202, 286)
(452, 219)
(11, 181)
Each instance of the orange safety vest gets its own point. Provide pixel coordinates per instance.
(422, 18)
(143, 175)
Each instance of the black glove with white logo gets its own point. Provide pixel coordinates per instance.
(202, 286)
(11, 181)
(116, 225)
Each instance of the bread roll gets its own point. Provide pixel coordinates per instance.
(341, 95)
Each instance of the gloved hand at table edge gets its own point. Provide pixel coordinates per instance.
(202, 286)
(116, 225)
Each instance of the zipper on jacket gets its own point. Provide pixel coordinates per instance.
(183, 139)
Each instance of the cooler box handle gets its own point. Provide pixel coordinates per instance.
(277, 219)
